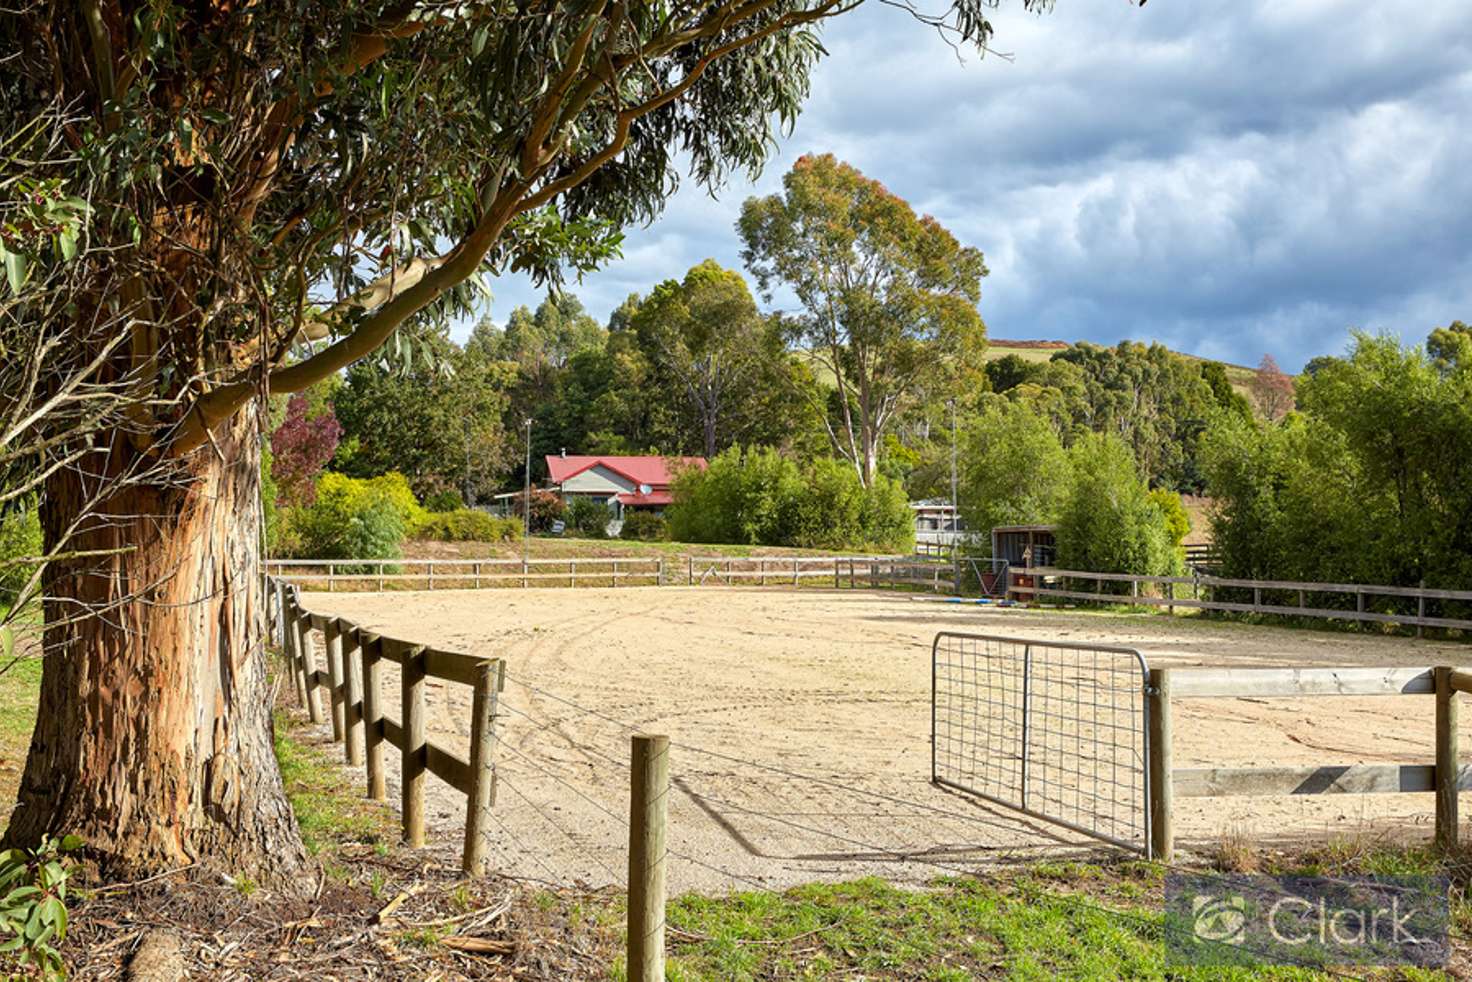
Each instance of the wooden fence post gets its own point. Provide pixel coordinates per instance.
(1421, 608)
(289, 615)
(353, 699)
(852, 574)
(649, 794)
(690, 575)
(572, 572)
(332, 641)
(836, 573)
(523, 574)
(308, 662)
(414, 768)
(659, 571)
(761, 565)
(490, 678)
(281, 638)
(1162, 835)
(614, 579)
(371, 652)
(1446, 760)
(794, 572)
(331, 579)
(429, 567)
(381, 568)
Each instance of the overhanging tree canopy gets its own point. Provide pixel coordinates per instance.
(203, 203)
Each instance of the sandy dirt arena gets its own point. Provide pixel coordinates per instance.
(814, 706)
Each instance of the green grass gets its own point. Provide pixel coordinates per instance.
(1049, 921)
(329, 810)
(20, 689)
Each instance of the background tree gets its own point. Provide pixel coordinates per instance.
(1014, 469)
(300, 447)
(1272, 389)
(1227, 398)
(708, 338)
(1010, 371)
(1153, 399)
(1450, 347)
(1108, 521)
(888, 297)
(231, 182)
(438, 421)
(1368, 483)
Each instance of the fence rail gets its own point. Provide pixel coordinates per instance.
(840, 571)
(1034, 582)
(1446, 776)
(353, 686)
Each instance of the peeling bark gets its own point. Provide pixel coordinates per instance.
(154, 739)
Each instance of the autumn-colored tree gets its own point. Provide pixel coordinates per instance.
(300, 447)
(888, 297)
(204, 203)
(1272, 389)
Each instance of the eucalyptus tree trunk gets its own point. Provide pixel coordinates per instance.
(153, 739)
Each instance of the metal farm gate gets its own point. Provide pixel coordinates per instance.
(1055, 730)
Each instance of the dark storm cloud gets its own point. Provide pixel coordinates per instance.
(1228, 177)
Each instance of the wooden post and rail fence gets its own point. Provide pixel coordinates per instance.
(1049, 583)
(352, 684)
(430, 574)
(1446, 776)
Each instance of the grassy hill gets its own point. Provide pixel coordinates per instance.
(1041, 351)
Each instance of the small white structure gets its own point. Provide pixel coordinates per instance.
(936, 521)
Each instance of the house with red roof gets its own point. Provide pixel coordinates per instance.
(618, 481)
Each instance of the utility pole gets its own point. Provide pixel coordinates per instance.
(526, 502)
(955, 515)
(955, 504)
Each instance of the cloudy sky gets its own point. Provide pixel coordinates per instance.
(1230, 177)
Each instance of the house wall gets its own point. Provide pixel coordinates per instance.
(598, 480)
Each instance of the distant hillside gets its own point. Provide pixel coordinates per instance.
(1041, 351)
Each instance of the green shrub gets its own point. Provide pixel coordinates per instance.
(1173, 510)
(743, 496)
(1108, 522)
(354, 518)
(467, 525)
(588, 518)
(443, 501)
(1014, 470)
(643, 526)
(395, 487)
(33, 907)
(20, 537)
(759, 497)
(889, 523)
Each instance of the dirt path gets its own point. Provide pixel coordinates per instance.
(814, 707)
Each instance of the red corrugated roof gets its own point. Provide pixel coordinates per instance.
(652, 499)
(653, 471)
